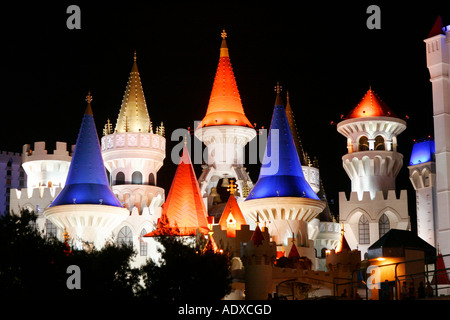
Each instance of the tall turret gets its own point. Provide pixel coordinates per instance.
(133, 154)
(281, 197)
(86, 206)
(438, 64)
(422, 173)
(372, 161)
(225, 130)
(372, 164)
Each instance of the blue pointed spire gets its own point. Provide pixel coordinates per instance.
(86, 181)
(281, 174)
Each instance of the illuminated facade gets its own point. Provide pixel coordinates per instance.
(422, 173)
(86, 206)
(372, 164)
(282, 199)
(438, 64)
(225, 130)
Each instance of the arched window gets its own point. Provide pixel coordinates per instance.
(383, 225)
(142, 244)
(363, 228)
(136, 178)
(151, 179)
(120, 178)
(50, 229)
(125, 237)
(363, 144)
(379, 143)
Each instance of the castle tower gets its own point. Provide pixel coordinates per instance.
(281, 197)
(372, 164)
(258, 255)
(225, 130)
(372, 161)
(184, 211)
(47, 173)
(133, 154)
(86, 207)
(422, 173)
(438, 63)
(310, 172)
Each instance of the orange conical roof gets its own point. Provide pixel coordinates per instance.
(225, 106)
(232, 217)
(342, 244)
(371, 106)
(184, 209)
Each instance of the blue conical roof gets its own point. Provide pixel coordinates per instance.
(281, 175)
(86, 181)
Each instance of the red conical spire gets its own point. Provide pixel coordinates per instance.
(371, 106)
(232, 217)
(225, 106)
(437, 28)
(184, 208)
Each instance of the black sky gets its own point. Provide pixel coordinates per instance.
(322, 53)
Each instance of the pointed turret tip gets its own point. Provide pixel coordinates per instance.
(223, 46)
(134, 56)
(89, 100)
(278, 101)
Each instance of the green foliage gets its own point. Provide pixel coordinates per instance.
(33, 266)
(184, 273)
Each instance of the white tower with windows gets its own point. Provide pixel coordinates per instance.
(422, 173)
(133, 153)
(372, 163)
(438, 63)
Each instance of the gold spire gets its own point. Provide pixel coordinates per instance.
(295, 135)
(133, 115)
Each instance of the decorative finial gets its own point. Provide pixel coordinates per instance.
(223, 34)
(134, 57)
(89, 97)
(88, 110)
(278, 88)
(231, 187)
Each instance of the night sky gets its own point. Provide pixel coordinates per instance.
(322, 53)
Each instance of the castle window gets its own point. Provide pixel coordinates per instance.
(363, 227)
(136, 178)
(120, 178)
(383, 225)
(142, 244)
(151, 179)
(125, 237)
(379, 143)
(363, 144)
(50, 229)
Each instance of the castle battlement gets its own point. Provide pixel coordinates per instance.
(40, 153)
(9, 154)
(379, 196)
(30, 194)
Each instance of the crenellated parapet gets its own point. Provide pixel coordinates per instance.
(45, 168)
